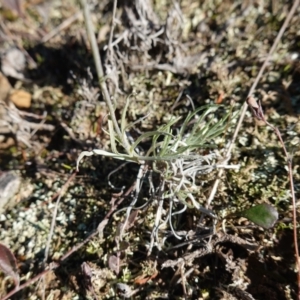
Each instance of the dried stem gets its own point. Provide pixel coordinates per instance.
(110, 47)
(61, 193)
(100, 72)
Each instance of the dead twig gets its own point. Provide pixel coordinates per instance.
(61, 193)
(189, 258)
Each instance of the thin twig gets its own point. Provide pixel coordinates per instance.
(61, 193)
(110, 47)
(154, 233)
(142, 171)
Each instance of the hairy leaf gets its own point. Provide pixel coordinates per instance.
(264, 215)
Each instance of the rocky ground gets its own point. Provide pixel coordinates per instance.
(165, 59)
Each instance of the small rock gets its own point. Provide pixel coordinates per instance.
(13, 63)
(10, 184)
(20, 98)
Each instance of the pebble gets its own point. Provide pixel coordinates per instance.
(9, 185)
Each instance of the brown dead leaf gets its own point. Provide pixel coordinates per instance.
(220, 98)
(5, 87)
(20, 98)
(256, 108)
(143, 279)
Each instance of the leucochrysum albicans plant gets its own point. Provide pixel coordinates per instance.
(174, 155)
(174, 152)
